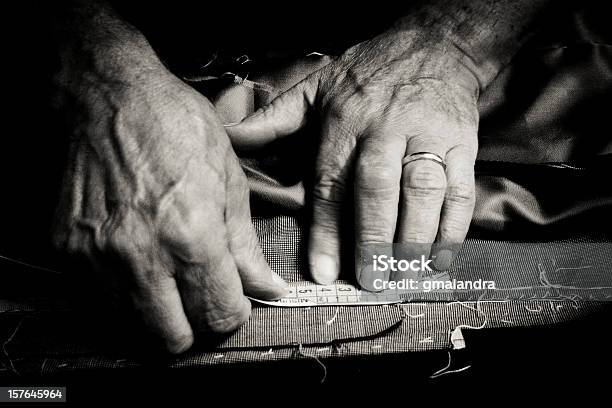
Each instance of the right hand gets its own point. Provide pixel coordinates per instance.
(155, 198)
(403, 92)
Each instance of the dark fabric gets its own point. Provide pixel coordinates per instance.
(546, 111)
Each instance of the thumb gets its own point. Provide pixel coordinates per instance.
(285, 115)
(258, 280)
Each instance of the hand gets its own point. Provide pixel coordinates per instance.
(155, 197)
(383, 100)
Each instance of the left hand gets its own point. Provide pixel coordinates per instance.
(381, 101)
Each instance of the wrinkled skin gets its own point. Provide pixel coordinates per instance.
(154, 196)
(153, 193)
(382, 100)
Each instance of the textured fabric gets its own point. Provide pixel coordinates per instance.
(55, 338)
(421, 327)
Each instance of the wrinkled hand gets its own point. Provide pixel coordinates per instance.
(381, 101)
(154, 196)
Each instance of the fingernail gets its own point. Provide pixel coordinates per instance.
(443, 259)
(367, 278)
(279, 281)
(324, 269)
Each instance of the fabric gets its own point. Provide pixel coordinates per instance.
(548, 106)
(54, 336)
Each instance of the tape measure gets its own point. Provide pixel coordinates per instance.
(305, 294)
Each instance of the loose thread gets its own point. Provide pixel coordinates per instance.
(331, 321)
(8, 340)
(539, 309)
(300, 351)
(445, 370)
(29, 265)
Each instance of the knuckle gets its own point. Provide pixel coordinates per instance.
(120, 242)
(191, 220)
(377, 175)
(383, 172)
(177, 343)
(330, 189)
(186, 231)
(63, 240)
(375, 235)
(453, 226)
(325, 230)
(425, 180)
(338, 110)
(74, 242)
(267, 110)
(346, 109)
(123, 232)
(228, 322)
(68, 236)
(462, 194)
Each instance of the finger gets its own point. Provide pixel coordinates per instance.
(285, 115)
(378, 171)
(258, 280)
(331, 171)
(458, 205)
(205, 270)
(423, 188)
(212, 293)
(288, 76)
(161, 309)
(154, 293)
